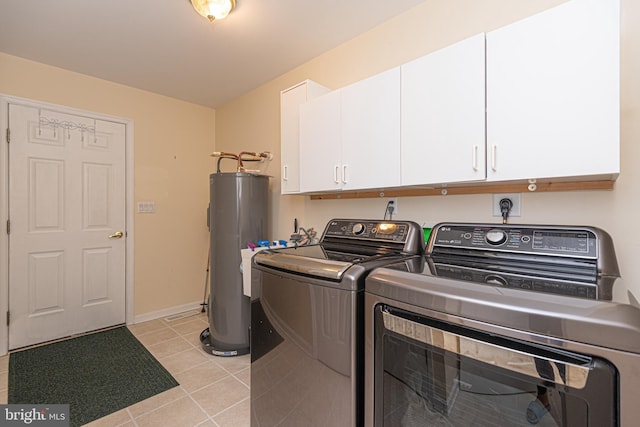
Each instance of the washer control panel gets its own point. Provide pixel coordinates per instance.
(551, 240)
(394, 231)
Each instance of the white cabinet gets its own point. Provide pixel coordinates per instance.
(552, 101)
(350, 138)
(553, 94)
(443, 115)
(321, 144)
(290, 101)
(537, 99)
(371, 132)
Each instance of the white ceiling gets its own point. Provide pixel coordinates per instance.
(165, 47)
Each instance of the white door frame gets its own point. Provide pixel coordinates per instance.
(5, 100)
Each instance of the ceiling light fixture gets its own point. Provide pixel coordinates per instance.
(213, 9)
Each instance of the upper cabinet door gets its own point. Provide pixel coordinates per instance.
(553, 93)
(321, 144)
(290, 101)
(443, 115)
(371, 132)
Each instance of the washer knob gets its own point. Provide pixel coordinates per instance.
(358, 229)
(496, 237)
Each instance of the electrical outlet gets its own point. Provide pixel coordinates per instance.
(393, 203)
(515, 199)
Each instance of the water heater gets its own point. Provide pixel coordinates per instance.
(238, 215)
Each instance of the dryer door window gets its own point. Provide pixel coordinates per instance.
(429, 372)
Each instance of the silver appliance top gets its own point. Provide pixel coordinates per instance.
(563, 260)
(346, 243)
(552, 281)
(503, 310)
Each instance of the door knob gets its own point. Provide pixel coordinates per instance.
(116, 235)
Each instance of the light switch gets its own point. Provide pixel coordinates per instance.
(146, 207)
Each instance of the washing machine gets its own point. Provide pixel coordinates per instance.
(307, 326)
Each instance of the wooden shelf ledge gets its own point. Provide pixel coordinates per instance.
(521, 187)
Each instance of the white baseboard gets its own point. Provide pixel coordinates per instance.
(167, 312)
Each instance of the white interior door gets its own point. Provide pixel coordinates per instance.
(66, 211)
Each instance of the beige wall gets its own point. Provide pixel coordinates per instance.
(172, 141)
(253, 120)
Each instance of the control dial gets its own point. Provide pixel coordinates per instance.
(358, 229)
(496, 237)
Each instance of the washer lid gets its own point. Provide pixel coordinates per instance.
(311, 260)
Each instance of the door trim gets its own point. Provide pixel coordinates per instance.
(5, 100)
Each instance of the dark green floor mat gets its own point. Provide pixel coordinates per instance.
(95, 374)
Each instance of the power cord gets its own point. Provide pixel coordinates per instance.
(388, 210)
(505, 208)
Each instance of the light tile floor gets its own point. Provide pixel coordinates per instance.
(213, 391)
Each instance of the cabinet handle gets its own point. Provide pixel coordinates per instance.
(285, 175)
(336, 171)
(344, 174)
(494, 153)
(475, 158)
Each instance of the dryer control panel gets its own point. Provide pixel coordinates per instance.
(573, 242)
(568, 260)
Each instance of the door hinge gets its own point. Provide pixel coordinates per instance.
(8, 226)
(8, 317)
(8, 135)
